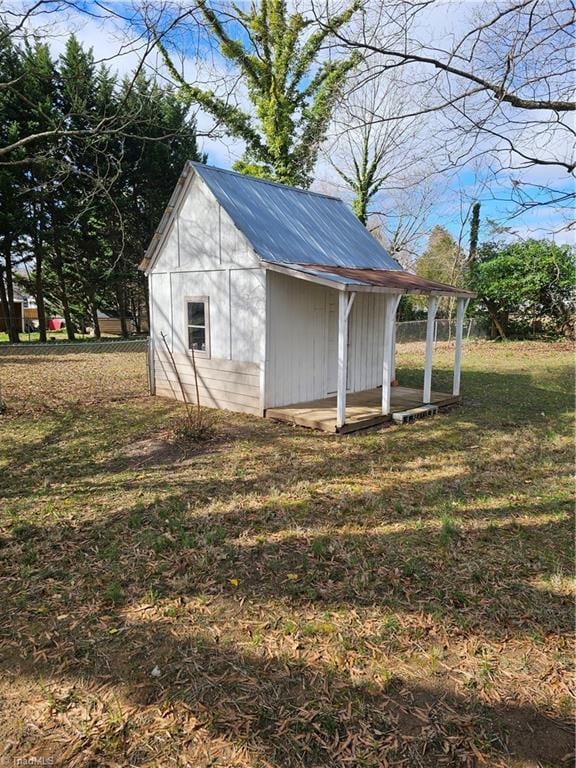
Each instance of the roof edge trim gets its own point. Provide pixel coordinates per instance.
(325, 277)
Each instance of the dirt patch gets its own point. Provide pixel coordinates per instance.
(152, 451)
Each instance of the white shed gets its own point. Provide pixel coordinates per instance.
(288, 303)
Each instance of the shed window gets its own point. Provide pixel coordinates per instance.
(197, 321)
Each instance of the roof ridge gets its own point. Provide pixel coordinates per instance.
(205, 166)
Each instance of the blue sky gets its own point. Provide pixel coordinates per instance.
(457, 187)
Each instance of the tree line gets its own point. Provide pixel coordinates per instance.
(88, 161)
(80, 202)
(524, 286)
(294, 89)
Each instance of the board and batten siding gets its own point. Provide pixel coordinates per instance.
(202, 236)
(273, 338)
(366, 342)
(297, 343)
(204, 255)
(302, 361)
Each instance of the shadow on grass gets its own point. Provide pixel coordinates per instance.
(81, 582)
(284, 712)
(319, 524)
(65, 453)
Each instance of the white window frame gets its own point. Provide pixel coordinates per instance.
(198, 300)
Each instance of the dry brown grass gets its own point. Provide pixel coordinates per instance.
(53, 381)
(284, 598)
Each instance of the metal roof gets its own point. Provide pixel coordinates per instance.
(366, 279)
(291, 225)
(393, 279)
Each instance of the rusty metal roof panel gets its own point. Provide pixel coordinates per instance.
(393, 279)
(381, 280)
(290, 225)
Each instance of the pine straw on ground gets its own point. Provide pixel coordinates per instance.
(53, 381)
(284, 598)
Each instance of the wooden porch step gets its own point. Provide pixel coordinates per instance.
(413, 414)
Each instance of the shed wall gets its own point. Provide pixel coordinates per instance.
(112, 325)
(203, 255)
(297, 342)
(231, 377)
(366, 342)
(302, 355)
(202, 236)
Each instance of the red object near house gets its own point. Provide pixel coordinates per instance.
(55, 324)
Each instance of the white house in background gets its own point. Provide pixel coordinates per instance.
(287, 302)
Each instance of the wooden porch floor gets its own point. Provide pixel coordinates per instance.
(362, 409)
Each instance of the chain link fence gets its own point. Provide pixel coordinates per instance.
(410, 331)
(90, 346)
(36, 376)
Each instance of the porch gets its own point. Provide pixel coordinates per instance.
(363, 409)
(332, 347)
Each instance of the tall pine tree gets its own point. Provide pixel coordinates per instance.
(79, 206)
(39, 86)
(13, 219)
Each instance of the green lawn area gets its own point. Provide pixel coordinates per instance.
(34, 336)
(281, 597)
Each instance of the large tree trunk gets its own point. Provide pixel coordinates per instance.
(95, 321)
(121, 298)
(59, 268)
(11, 319)
(39, 291)
(70, 327)
(134, 299)
(4, 299)
(499, 323)
(38, 278)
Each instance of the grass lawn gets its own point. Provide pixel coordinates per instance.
(34, 336)
(281, 597)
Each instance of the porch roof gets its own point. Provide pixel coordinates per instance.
(368, 280)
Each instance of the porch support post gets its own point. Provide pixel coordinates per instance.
(345, 301)
(432, 307)
(461, 306)
(393, 354)
(391, 306)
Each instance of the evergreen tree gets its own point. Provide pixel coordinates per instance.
(80, 207)
(160, 141)
(474, 230)
(75, 256)
(292, 94)
(13, 219)
(442, 259)
(41, 173)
